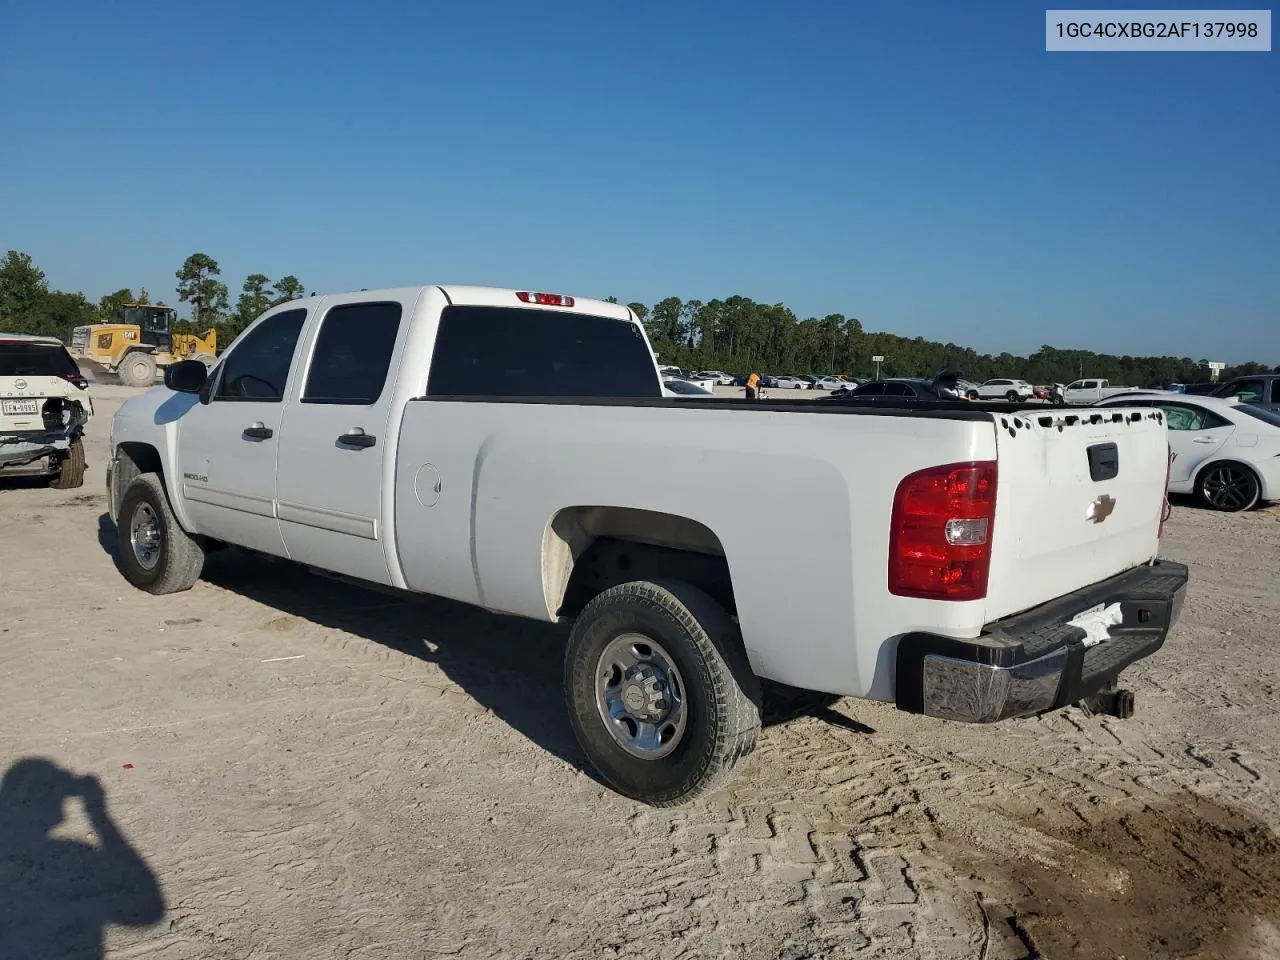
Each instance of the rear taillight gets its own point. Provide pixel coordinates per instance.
(1167, 508)
(940, 535)
(546, 299)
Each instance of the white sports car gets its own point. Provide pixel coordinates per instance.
(1225, 452)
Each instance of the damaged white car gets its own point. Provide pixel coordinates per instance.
(44, 406)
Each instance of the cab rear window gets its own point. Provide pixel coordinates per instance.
(21, 359)
(515, 352)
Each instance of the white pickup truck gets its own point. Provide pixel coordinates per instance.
(513, 450)
(1091, 391)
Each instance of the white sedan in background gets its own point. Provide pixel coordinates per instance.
(721, 378)
(1225, 452)
(831, 383)
(790, 383)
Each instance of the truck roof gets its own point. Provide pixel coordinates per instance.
(480, 296)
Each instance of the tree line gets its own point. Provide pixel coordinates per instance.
(28, 305)
(736, 334)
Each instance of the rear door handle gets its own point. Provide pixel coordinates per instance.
(257, 431)
(356, 437)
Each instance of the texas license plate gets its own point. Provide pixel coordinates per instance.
(16, 407)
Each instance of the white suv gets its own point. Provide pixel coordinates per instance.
(44, 405)
(1011, 390)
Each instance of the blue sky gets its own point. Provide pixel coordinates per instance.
(926, 167)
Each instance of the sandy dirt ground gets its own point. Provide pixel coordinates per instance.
(293, 768)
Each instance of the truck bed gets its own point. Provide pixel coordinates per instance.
(795, 494)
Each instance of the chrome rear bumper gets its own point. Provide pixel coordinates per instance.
(1039, 661)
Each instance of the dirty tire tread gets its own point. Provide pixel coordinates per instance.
(181, 556)
(125, 371)
(71, 470)
(732, 690)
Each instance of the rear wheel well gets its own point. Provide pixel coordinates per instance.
(587, 550)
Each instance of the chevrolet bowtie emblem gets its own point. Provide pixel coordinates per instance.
(1101, 508)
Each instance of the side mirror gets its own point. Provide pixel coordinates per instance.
(186, 376)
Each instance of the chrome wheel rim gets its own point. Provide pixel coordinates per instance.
(144, 536)
(1228, 488)
(640, 696)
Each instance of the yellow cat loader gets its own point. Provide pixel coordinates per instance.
(138, 341)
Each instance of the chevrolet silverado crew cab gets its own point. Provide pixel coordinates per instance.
(514, 450)
(44, 406)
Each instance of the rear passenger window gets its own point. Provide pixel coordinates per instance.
(515, 352)
(352, 354)
(257, 365)
(1181, 417)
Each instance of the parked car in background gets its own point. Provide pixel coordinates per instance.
(829, 383)
(1091, 391)
(1011, 390)
(1201, 389)
(895, 390)
(789, 382)
(1262, 390)
(721, 379)
(44, 406)
(677, 387)
(1225, 452)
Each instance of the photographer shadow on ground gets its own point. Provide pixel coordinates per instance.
(58, 895)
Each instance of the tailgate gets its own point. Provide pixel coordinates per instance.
(1079, 499)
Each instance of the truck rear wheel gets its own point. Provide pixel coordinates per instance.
(137, 369)
(661, 697)
(71, 470)
(156, 554)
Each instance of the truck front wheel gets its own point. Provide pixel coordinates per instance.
(156, 554)
(661, 697)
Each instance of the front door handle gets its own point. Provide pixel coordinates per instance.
(356, 437)
(1204, 440)
(257, 431)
